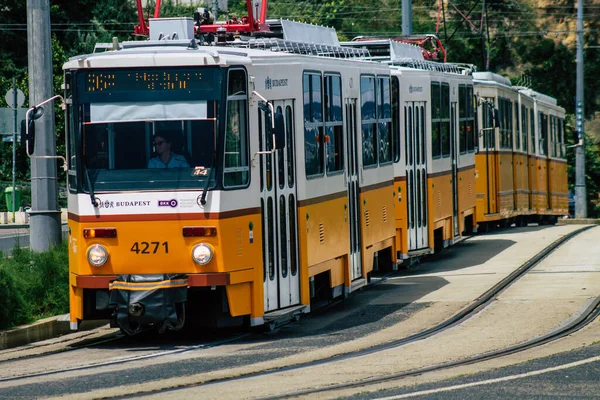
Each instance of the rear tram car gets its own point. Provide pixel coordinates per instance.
(521, 166)
(433, 124)
(285, 192)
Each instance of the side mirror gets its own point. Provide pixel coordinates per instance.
(279, 131)
(28, 135)
(28, 128)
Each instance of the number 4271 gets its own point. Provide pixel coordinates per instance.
(149, 247)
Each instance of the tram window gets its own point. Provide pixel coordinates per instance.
(263, 233)
(543, 134)
(270, 238)
(127, 153)
(554, 135)
(290, 144)
(313, 124)
(471, 132)
(293, 242)
(95, 146)
(562, 137)
(466, 118)
(436, 111)
(334, 141)
(517, 128)
(532, 130)
(462, 115)
(281, 161)
(417, 130)
(236, 168)
(384, 117)
(283, 242)
(551, 150)
(489, 134)
(505, 125)
(71, 138)
(396, 118)
(509, 128)
(445, 119)
(261, 147)
(409, 134)
(423, 145)
(369, 121)
(524, 125)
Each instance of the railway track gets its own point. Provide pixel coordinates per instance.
(479, 304)
(119, 361)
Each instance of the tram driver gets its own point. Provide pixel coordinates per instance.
(165, 158)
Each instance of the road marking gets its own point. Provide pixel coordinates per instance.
(490, 381)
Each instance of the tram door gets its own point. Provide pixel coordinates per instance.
(353, 212)
(455, 159)
(416, 174)
(491, 157)
(279, 215)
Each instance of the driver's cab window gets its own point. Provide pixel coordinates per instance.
(139, 145)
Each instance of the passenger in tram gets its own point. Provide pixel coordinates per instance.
(165, 158)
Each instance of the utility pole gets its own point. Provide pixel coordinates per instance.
(14, 143)
(406, 17)
(45, 226)
(215, 9)
(580, 188)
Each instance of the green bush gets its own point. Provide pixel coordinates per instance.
(12, 309)
(33, 285)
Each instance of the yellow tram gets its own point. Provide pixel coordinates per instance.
(241, 182)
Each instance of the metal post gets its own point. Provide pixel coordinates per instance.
(407, 17)
(14, 140)
(215, 9)
(580, 187)
(45, 227)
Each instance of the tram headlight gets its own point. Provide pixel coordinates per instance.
(202, 253)
(97, 255)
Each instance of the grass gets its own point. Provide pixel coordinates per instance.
(33, 285)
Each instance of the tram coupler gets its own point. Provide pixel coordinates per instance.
(144, 302)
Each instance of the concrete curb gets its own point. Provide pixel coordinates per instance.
(44, 329)
(579, 221)
(23, 226)
(14, 226)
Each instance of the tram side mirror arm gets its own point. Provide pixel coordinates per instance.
(28, 129)
(279, 131)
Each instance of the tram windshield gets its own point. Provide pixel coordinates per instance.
(148, 154)
(153, 129)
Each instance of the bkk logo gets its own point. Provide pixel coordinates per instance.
(167, 203)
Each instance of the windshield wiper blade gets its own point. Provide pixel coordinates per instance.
(90, 187)
(210, 173)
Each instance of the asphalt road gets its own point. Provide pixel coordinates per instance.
(572, 375)
(9, 238)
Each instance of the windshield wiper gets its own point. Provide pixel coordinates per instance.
(210, 173)
(90, 186)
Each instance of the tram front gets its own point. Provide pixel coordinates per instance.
(150, 150)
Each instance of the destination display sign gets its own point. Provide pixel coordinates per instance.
(161, 80)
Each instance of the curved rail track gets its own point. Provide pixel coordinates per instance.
(479, 304)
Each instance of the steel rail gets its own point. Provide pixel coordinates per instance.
(479, 304)
(124, 360)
